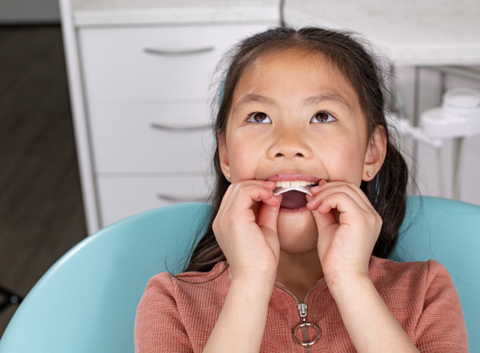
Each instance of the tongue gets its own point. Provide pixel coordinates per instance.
(293, 200)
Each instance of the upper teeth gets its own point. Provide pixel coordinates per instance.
(294, 184)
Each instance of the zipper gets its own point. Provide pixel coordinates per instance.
(303, 311)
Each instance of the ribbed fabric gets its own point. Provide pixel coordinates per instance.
(177, 316)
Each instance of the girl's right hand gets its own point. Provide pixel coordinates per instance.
(249, 243)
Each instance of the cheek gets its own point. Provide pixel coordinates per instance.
(243, 159)
(355, 163)
(346, 159)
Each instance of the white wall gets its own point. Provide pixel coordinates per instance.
(427, 176)
(29, 11)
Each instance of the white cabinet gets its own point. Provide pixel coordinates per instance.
(124, 196)
(140, 104)
(153, 63)
(151, 138)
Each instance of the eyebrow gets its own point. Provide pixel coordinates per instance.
(329, 96)
(251, 97)
(323, 97)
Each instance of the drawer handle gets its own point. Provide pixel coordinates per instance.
(178, 199)
(180, 52)
(179, 128)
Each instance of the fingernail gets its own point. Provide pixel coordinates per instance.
(320, 183)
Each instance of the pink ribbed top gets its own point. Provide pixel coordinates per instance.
(177, 316)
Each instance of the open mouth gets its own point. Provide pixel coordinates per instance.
(294, 192)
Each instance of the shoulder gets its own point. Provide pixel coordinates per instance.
(408, 273)
(167, 283)
(167, 289)
(172, 306)
(412, 285)
(424, 300)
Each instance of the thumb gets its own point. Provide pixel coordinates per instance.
(326, 227)
(268, 213)
(324, 220)
(267, 221)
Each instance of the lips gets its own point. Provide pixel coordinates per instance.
(293, 201)
(293, 177)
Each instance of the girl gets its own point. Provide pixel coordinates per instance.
(294, 272)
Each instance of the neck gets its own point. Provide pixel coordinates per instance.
(299, 272)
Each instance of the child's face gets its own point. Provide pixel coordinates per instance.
(295, 117)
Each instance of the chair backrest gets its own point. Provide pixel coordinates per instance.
(447, 231)
(87, 301)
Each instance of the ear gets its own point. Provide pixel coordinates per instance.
(375, 154)
(223, 155)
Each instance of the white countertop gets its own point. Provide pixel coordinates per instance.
(409, 32)
(171, 12)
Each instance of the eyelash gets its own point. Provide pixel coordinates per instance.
(253, 118)
(330, 117)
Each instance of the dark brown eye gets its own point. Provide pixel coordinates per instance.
(260, 118)
(322, 117)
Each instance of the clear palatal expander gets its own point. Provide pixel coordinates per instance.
(297, 185)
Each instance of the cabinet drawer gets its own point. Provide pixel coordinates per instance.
(122, 197)
(154, 63)
(151, 138)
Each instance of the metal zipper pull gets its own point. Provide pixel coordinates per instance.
(302, 310)
(304, 325)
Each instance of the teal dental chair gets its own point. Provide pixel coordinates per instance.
(87, 301)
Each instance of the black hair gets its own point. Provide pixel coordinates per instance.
(353, 57)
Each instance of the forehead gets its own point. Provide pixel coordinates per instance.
(294, 73)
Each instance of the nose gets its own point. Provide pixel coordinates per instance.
(290, 144)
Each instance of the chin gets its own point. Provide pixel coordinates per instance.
(297, 231)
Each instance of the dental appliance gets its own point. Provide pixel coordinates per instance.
(286, 186)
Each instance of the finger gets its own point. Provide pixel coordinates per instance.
(231, 208)
(352, 186)
(268, 214)
(350, 211)
(324, 219)
(358, 196)
(327, 226)
(234, 188)
(267, 221)
(341, 186)
(243, 194)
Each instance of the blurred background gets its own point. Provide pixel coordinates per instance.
(104, 107)
(41, 211)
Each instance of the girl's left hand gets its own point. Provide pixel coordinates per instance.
(348, 228)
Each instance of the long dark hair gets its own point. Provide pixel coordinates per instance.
(353, 57)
